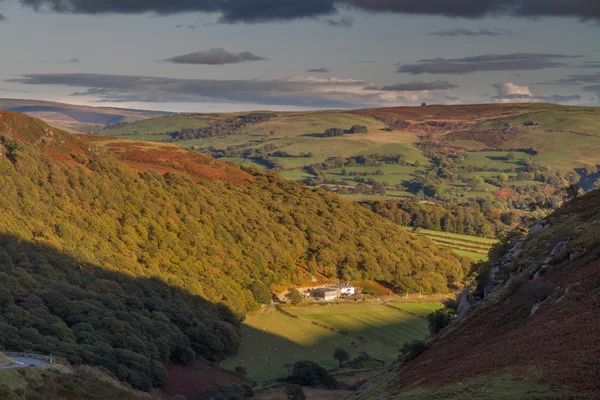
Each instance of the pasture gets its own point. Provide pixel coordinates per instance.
(473, 247)
(384, 328)
(272, 342)
(158, 126)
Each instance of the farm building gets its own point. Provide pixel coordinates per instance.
(327, 294)
(332, 293)
(347, 291)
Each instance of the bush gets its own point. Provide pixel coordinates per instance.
(333, 132)
(309, 373)
(414, 349)
(372, 290)
(439, 319)
(294, 296)
(359, 129)
(295, 392)
(538, 291)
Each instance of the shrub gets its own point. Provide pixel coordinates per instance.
(295, 392)
(333, 132)
(359, 129)
(538, 291)
(309, 373)
(294, 296)
(439, 319)
(412, 350)
(372, 290)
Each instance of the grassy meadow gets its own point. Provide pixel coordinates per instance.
(272, 341)
(473, 247)
(384, 328)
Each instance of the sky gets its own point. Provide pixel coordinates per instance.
(226, 55)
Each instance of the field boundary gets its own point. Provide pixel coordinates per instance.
(404, 311)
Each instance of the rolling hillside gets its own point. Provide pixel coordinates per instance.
(75, 118)
(402, 145)
(131, 255)
(531, 331)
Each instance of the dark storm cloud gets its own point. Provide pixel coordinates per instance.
(471, 32)
(3, 18)
(298, 91)
(214, 57)
(592, 88)
(584, 9)
(486, 62)
(318, 70)
(575, 79)
(419, 86)
(254, 11)
(343, 22)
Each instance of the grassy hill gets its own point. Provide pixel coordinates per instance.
(477, 138)
(534, 335)
(75, 118)
(131, 255)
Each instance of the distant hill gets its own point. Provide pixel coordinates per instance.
(532, 329)
(501, 160)
(130, 255)
(76, 118)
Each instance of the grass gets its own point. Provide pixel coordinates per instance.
(271, 340)
(159, 125)
(473, 247)
(385, 329)
(495, 159)
(504, 387)
(422, 309)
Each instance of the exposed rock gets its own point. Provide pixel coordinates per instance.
(489, 289)
(517, 253)
(560, 247)
(463, 304)
(564, 216)
(575, 255)
(534, 309)
(537, 228)
(548, 260)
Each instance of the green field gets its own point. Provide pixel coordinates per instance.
(159, 125)
(495, 159)
(422, 309)
(564, 138)
(473, 247)
(272, 342)
(384, 328)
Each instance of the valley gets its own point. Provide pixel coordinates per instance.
(133, 225)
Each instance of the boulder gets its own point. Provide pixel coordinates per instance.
(537, 228)
(463, 304)
(560, 247)
(534, 309)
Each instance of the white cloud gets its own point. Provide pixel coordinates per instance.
(508, 92)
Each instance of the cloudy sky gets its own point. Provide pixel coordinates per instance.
(213, 55)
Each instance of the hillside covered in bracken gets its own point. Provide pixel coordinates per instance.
(129, 255)
(532, 329)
